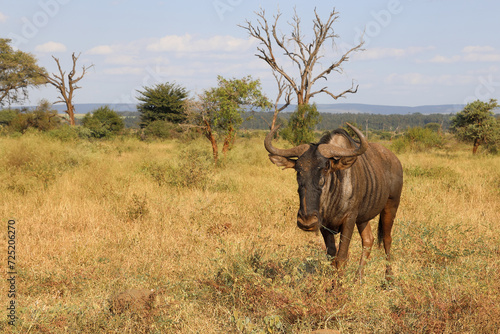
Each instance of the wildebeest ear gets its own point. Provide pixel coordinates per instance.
(341, 163)
(280, 161)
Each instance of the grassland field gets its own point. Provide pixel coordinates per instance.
(221, 248)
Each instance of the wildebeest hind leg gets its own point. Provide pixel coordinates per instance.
(384, 232)
(365, 231)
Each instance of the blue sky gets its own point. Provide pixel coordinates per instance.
(416, 52)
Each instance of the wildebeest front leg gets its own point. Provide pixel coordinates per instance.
(365, 231)
(329, 239)
(345, 239)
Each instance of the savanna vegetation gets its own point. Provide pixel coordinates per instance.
(100, 209)
(220, 245)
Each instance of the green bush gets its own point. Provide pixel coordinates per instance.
(69, 133)
(384, 135)
(103, 122)
(417, 139)
(436, 127)
(43, 118)
(162, 130)
(7, 116)
(300, 128)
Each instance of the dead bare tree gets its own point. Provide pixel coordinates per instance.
(66, 89)
(304, 55)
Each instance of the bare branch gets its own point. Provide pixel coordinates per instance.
(266, 35)
(337, 65)
(283, 88)
(351, 90)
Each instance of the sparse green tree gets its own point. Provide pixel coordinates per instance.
(221, 109)
(103, 122)
(300, 128)
(162, 102)
(18, 71)
(476, 123)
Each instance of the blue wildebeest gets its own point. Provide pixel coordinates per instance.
(343, 183)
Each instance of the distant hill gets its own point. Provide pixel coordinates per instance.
(354, 108)
(358, 108)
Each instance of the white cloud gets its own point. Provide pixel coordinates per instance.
(50, 47)
(475, 54)
(100, 50)
(3, 17)
(124, 59)
(188, 43)
(419, 79)
(124, 70)
(482, 57)
(445, 60)
(475, 49)
(381, 53)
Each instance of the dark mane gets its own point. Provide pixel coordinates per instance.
(328, 136)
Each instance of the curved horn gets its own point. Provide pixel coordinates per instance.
(330, 151)
(296, 151)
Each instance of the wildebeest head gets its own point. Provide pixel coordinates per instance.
(313, 164)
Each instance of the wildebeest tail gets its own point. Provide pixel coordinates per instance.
(380, 234)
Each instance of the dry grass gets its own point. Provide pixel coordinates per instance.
(222, 248)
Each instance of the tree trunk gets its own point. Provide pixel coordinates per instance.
(71, 113)
(228, 141)
(209, 134)
(476, 145)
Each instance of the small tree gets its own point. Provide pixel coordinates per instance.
(300, 128)
(103, 122)
(67, 89)
(221, 109)
(18, 71)
(162, 102)
(476, 123)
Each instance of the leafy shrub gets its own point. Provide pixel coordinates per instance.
(436, 127)
(138, 207)
(385, 135)
(103, 122)
(300, 128)
(69, 133)
(7, 116)
(162, 130)
(417, 139)
(43, 118)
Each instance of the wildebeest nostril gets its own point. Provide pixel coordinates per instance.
(308, 223)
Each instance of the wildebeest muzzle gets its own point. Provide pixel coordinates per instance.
(308, 223)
